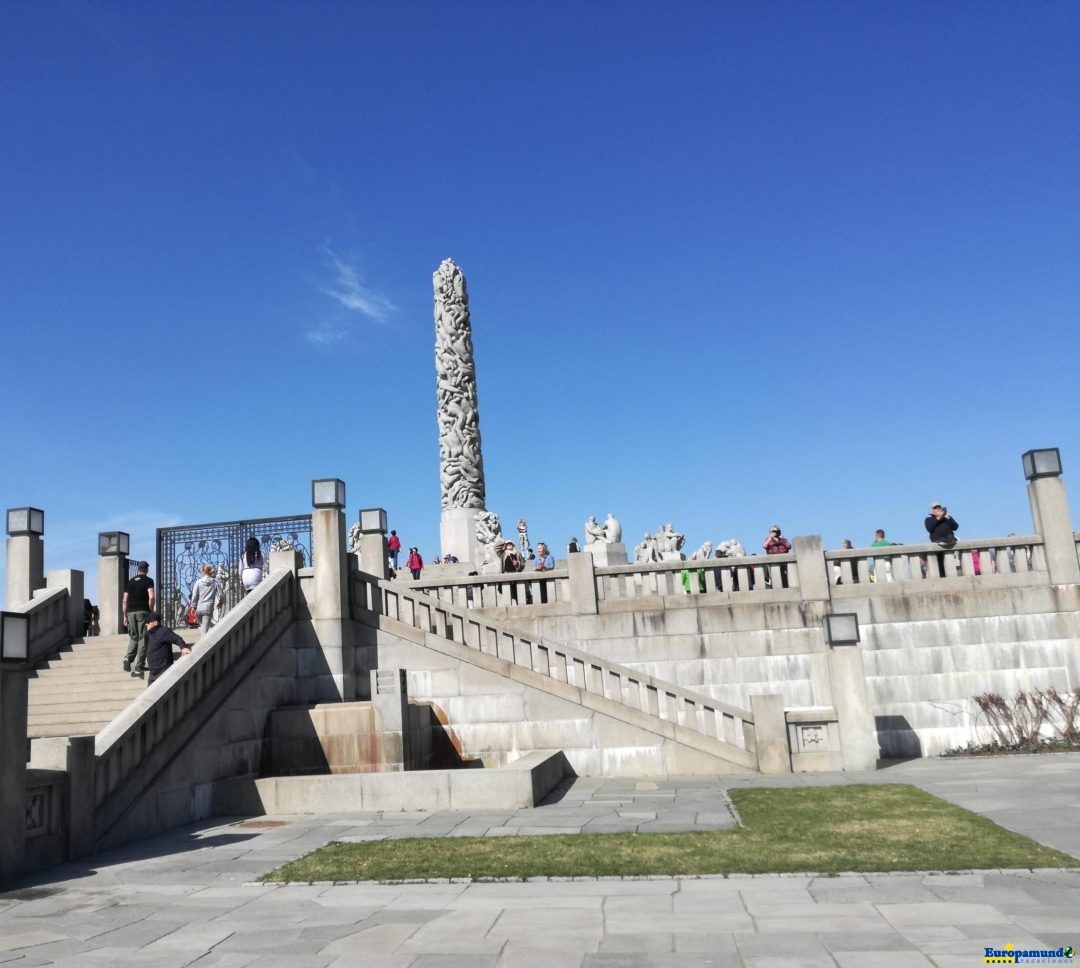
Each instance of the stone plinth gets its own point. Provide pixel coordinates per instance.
(457, 535)
(605, 554)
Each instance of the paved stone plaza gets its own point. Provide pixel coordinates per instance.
(187, 897)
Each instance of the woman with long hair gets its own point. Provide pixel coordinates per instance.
(252, 564)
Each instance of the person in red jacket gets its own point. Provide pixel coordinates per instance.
(415, 563)
(393, 545)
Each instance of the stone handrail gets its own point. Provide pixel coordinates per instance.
(589, 673)
(48, 625)
(1016, 559)
(490, 591)
(761, 574)
(133, 737)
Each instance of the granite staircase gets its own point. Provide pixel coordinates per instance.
(82, 687)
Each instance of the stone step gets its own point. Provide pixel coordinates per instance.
(84, 698)
(82, 728)
(102, 716)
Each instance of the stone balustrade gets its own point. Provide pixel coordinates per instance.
(1015, 561)
(491, 591)
(136, 734)
(1012, 561)
(771, 575)
(614, 682)
(48, 621)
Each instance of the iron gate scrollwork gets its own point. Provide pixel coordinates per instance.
(182, 552)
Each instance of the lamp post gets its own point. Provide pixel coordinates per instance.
(25, 554)
(1050, 514)
(113, 548)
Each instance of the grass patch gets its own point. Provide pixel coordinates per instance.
(882, 827)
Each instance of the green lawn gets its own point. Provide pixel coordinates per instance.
(825, 829)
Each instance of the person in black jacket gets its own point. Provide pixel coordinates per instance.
(159, 643)
(942, 529)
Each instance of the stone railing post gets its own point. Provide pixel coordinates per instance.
(771, 734)
(374, 555)
(850, 697)
(80, 771)
(74, 581)
(13, 711)
(1050, 515)
(25, 555)
(390, 702)
(582, 583)
(330, 607)
(288, 559)
(814, 582)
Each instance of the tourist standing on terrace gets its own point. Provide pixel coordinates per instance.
(545, 561)
(252, 565)
(572, 548)
(415, 563)
(880, 542)
(393, 545)
(942, 529)
(137, 604)
(777, 544)
(205, 594)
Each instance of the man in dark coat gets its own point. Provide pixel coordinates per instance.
(942, 529)
(159, 643)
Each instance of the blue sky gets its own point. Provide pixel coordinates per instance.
(730, 263)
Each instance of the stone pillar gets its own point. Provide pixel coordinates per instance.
(330, 607)
(851, 700)
(771, 734)
(287, 560)
(374, 555)
(80, 771)
(13, 692)
(74, 581)
(1050, 516)
(112, 579)
(390, 701)
(25, 555)
(583, 599)
(814, 581)
(461, 459)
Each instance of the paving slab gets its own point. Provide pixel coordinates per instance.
(187, 897)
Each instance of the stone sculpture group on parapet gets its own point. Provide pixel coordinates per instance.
(461, 464)
(489, 540)
(667, 543)
(610, 532)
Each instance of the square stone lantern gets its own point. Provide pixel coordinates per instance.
(328, 492)
(14, 638)
(113, 543)
(25, 521)
(373, 521)
(1042, 463)
(842, 628)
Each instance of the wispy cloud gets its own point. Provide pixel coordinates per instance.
(349, 291)
(326, 334)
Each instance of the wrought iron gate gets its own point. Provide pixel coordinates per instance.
(182, 552)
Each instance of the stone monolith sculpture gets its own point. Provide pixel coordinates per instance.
(461, 463)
